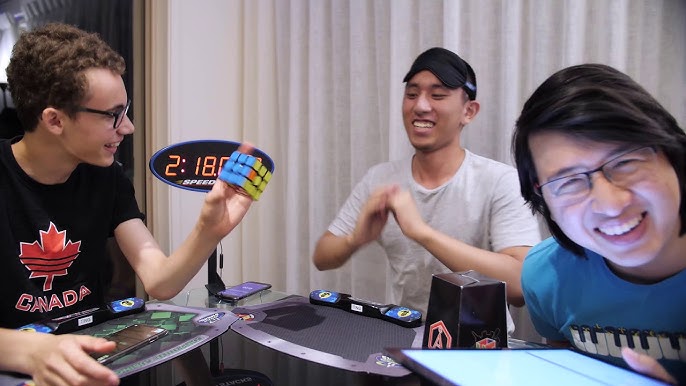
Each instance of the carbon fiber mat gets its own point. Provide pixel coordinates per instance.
(326, 335)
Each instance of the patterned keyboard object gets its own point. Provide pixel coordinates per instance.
(246, 172)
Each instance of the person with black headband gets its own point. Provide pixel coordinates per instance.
(443, 209)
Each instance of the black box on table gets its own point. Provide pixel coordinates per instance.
(466, 310)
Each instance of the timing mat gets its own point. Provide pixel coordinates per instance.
(327, 335)
(189, 328)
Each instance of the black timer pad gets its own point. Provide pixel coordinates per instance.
(80, 320)
(399, 315)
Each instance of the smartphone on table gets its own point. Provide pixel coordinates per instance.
(243, 290)
(130, 339)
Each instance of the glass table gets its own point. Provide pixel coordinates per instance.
(200, 297)
(234, 351)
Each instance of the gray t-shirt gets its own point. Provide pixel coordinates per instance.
(481, 206)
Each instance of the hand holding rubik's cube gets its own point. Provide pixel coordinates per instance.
(246, 172)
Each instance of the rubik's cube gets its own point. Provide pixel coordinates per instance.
(486, 343)
(246, 172)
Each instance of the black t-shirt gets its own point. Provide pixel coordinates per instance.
(53, 237)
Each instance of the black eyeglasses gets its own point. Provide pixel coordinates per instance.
(623, 170)
(117, 115)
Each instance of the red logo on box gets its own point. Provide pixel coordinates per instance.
(438, 335)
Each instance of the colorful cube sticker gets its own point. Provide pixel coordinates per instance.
(246, 172)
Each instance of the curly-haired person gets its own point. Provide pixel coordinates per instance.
(59, 180)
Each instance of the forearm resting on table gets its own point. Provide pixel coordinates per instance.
(505, 265)
(333, 251)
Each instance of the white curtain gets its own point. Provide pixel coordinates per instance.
(8, 35)
(318, 85)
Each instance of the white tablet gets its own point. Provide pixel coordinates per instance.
(530, 367)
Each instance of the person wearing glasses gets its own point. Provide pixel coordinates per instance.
(62, 196)
(442, 209)
(605, 165)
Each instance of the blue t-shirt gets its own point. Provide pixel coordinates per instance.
(581, 300)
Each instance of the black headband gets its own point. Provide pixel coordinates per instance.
(448, 67)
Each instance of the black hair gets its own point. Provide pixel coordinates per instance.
(594, 102)
(47, 69)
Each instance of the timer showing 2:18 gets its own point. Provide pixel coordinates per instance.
(193, 165)
(203, 166)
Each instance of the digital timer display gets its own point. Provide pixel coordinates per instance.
(195, 165)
